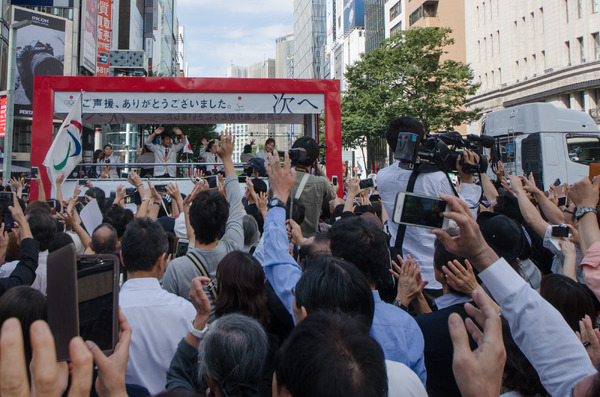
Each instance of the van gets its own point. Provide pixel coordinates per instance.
(548, 141)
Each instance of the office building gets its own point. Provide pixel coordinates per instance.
(309, 38)
(534, 51)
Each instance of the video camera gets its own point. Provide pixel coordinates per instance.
(439, 152)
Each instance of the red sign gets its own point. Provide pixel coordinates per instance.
(2, 116)
(104, 31)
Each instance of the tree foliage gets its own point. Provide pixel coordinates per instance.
(405, 77)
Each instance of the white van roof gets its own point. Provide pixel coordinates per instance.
(538, 117)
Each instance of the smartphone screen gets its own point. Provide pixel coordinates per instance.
(34, 172)
(160, 188)
(562, 201)
(6, 200)
(366, 183)
(182, 247)
(242, 179)
(96, 297)
(212, 181)
(420, 211)
(334, 180)
(560, 231)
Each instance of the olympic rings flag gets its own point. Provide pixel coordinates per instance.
(65, 152)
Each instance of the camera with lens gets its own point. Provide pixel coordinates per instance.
(439, 152)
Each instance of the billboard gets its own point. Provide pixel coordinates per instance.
(40, 52)
(104, 36)
(2, 116)
(89, 22)
(354, 14)
(47, 3)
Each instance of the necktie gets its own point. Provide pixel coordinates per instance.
(107, 167)
(166, 154)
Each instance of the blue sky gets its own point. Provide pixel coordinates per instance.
(220, 32)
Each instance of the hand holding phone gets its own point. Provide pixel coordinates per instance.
(421, 211)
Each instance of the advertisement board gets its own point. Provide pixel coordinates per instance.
(104, 36)
(2, 116)
(40, 52)
(354, 14)
(47, 3)
(89, 22)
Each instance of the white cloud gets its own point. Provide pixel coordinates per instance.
(220, 33)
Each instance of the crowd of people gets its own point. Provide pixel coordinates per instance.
(303, 287)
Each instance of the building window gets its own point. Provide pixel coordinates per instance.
(395, 10)
(595, 6)
(499, 75)
(581, 49)
(541, 20)
(498, 37)
(543, 53)
(596, 40)
(492, 43)
(567, 11)
(568, 53)
(532, 15)
(397, 28)
(579, 8)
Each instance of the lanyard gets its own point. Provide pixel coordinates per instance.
(166, 154)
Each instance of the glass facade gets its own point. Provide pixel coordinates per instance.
(309, 38)
(374, 23)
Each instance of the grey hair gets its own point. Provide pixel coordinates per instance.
(251, 232)
(233, 353)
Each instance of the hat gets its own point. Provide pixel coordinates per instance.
(502, 234)
(258, 165)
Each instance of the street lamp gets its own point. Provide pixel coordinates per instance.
(10, 98)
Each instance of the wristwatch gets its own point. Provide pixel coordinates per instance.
(195, 332)
(276, 203)
(581, 211)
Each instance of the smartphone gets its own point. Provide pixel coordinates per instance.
(594, 170)
(113, 194)
(213, 181)
(334, 180)
(82, 182)
(560, 231)
(53, 204)
(366, 183)
(421, 211)
(160, 188)
(562, 201)
(128, 199)
(129, 191)
(125, 175)
(34, 172)
(182, 247)
(82, 296)
(6, 200)
(242, 179)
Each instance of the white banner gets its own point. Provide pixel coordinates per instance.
(191, 103)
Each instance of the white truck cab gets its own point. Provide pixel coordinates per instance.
(551, 142)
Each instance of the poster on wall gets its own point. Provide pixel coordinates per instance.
(104, 32)
(40, 52)
(89, 32)
(2, 116)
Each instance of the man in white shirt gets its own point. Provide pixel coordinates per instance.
(158, 319)
(166, 152)
(418, 242)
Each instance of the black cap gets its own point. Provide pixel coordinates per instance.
(502, 234)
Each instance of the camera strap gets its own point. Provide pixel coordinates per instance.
(402, 227)
(196, 261)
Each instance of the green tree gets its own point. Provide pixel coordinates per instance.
(405, 77)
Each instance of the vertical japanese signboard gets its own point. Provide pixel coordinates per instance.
(2, 116)
(104, 30)
(89, 20)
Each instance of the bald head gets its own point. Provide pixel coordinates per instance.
(104, 239)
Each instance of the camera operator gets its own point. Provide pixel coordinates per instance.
(417, 241)
(310, 189)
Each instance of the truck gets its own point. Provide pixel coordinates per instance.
(548, 141)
